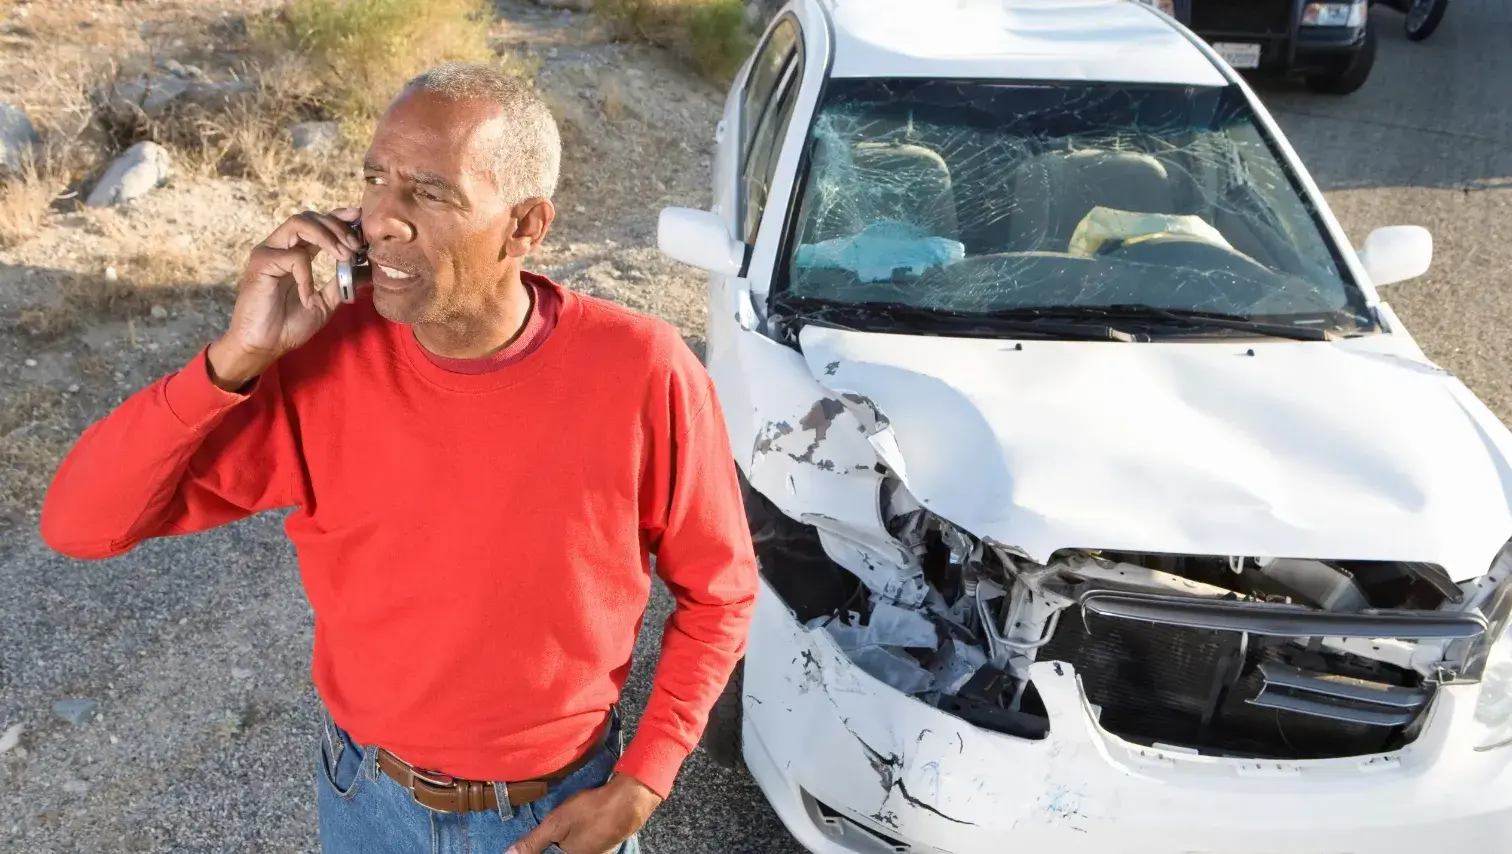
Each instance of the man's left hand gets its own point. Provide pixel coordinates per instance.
(594, 821)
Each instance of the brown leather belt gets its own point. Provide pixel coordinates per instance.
(445, 793)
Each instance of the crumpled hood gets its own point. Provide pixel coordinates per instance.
(1354, 449)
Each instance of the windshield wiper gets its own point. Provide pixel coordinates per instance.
(841, 313)
(1137, 313)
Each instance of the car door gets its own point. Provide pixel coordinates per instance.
(749, 100)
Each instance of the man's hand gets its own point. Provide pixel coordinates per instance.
(595, 821)
(278, 308)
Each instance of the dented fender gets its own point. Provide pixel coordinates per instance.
(814, 453)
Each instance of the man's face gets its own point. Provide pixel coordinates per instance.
(438, 226)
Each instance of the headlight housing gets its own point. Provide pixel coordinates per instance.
(1494, 708)
(1351, 14)
(1492, 661)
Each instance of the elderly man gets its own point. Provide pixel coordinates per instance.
(481, 465)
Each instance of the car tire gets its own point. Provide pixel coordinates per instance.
(722, 739)
(1420, 25)
(1352, 76)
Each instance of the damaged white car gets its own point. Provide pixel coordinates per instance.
(1101, 505)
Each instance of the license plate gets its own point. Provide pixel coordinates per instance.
(1238, 55)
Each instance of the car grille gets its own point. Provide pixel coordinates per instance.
(1154, 683)
(1252, 17)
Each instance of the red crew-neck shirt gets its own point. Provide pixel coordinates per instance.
(545, 304)
(476, 545)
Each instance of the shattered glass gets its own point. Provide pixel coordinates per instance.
(982, 197)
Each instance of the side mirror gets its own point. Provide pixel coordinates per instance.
(700, 239)
(1397, 253)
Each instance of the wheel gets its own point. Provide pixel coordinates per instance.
(1423, 17)
(1352, 76)
(722, 737)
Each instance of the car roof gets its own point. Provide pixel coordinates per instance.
(1095, 40)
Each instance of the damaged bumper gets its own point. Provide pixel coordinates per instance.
(852, 765)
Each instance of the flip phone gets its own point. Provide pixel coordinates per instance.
(350, 274)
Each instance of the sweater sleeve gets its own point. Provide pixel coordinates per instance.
(703, 551)
(179, 456)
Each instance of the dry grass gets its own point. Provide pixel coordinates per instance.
(365, 50)
(709, 33)
(63, 117)
(160, 277)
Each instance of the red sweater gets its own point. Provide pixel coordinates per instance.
(475, 546)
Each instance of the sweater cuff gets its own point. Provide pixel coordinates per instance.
(653, 758)
(193, 398)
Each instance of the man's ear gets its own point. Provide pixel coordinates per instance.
(532, 218)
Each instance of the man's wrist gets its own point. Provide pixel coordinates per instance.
(232, 368)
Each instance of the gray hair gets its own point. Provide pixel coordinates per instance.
(528, 157)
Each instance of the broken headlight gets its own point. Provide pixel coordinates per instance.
(1494, 661)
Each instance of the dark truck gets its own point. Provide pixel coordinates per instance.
(1330, 45)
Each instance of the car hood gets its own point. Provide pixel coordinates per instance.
(1351, 449)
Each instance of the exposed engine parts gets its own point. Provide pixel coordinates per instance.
(1228, 655)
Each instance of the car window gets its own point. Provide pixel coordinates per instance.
(771, 130)
(766, 71)
(979, 197)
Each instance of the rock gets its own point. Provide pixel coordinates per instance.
(30, 363)
(11, 738)
(159, 312)
(574, 5)
(314, 136)
(111, 275)
(74, 711)
(17, 137)
(155, 94)
(240, 673)
(182, 71)
(144, 167)
(75, 787)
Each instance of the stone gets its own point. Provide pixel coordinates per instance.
(74, 711)
(240, 673)
(159, 312)
(574, 5)
(141, 169)
(314, 136)
(182, 71)
(17, 137)
(75, 787)
(11, 739)
(111, 275)
(155, 94)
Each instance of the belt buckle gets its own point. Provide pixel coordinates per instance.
(434, 783)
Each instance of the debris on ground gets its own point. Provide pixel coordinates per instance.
(75, 711)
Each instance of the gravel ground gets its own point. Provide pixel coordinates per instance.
(196, 650)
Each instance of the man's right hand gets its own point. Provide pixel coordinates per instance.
(278, 307)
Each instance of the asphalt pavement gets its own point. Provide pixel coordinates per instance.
(197, 650)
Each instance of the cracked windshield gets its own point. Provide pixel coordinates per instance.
(971, 199)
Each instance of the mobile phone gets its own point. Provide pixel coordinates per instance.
(350, 274)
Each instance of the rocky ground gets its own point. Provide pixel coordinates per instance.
(193, 654)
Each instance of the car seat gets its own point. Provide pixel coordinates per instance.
(1054, 191)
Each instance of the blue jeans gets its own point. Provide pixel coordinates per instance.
(363, 811)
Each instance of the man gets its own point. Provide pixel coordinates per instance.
(480, 465)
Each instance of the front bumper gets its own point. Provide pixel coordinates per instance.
(1311, 50)
(853, 767)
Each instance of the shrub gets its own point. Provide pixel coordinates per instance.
(364, 50)
(711, 34)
